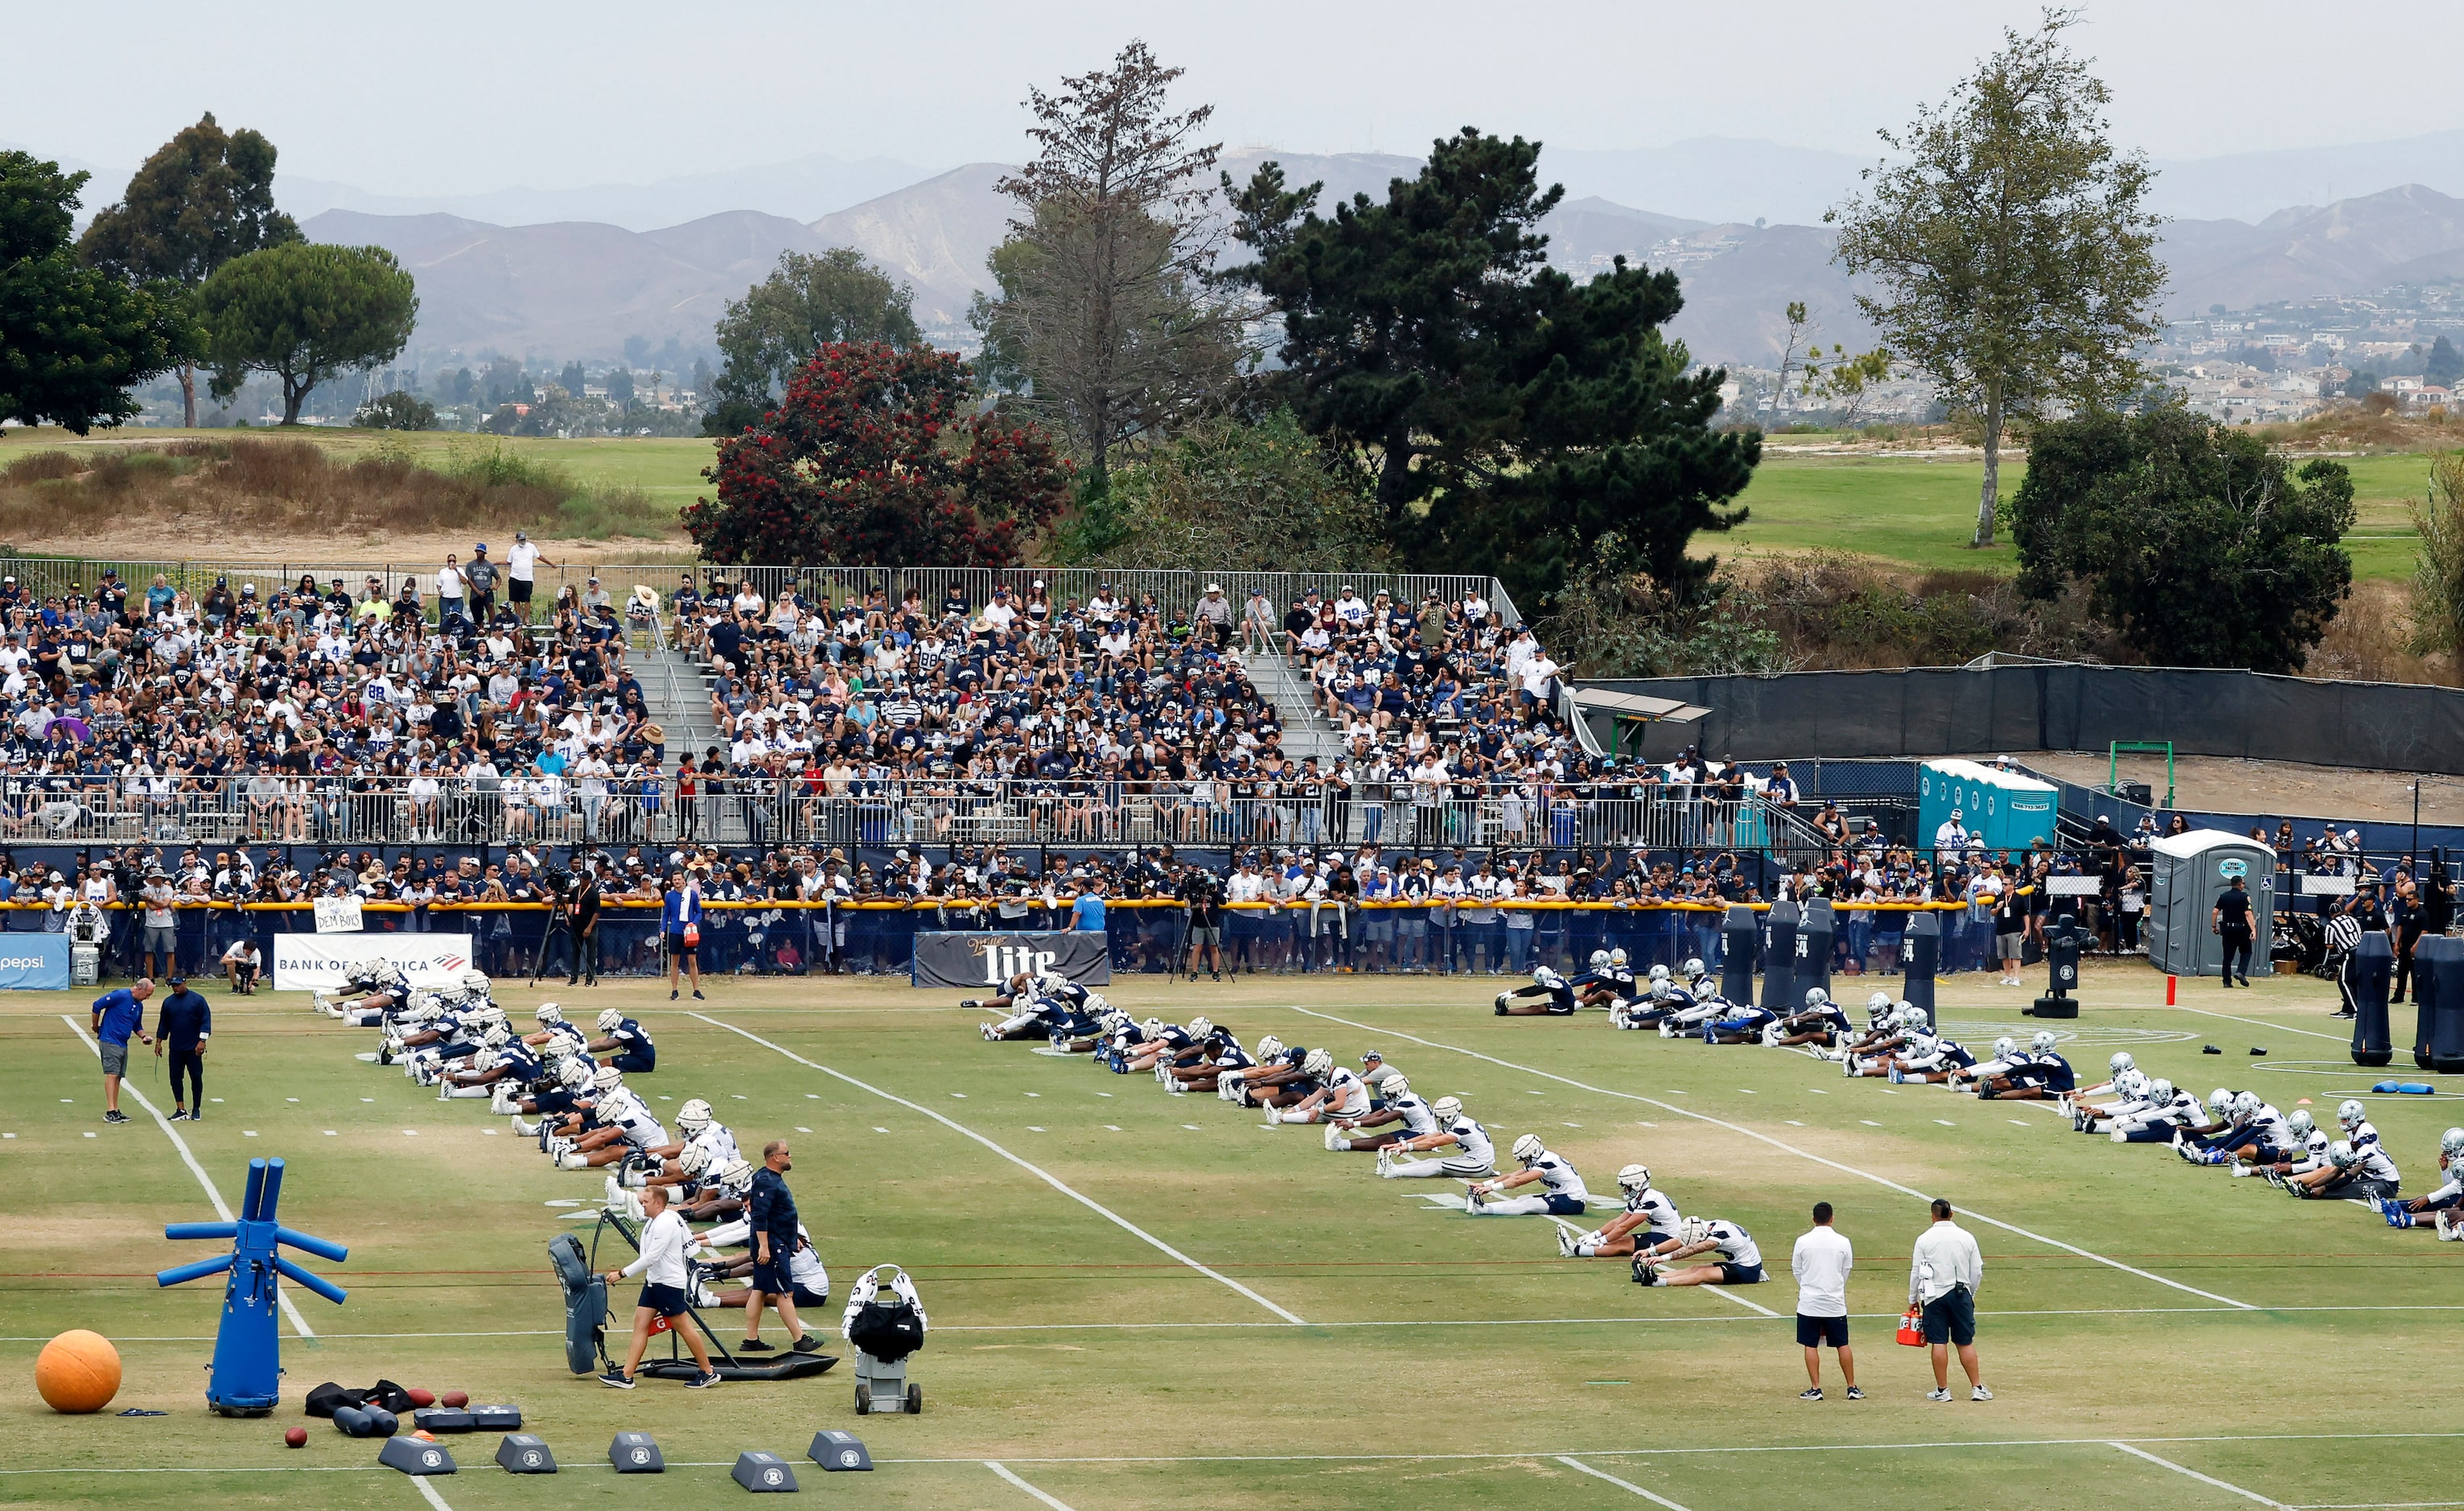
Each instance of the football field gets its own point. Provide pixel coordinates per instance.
(1142, 1300)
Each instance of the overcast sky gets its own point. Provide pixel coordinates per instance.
(447, 96)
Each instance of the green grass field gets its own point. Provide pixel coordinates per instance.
(1347, 1341)
(1922, 511)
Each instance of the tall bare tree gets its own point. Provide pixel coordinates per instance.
(2014, 254)
(1105, 318)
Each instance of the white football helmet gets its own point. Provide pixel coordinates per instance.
(737, 1177)
(694, 1159)
(549, 1012)
(612, 1020)
(575, 1074)
(1693, 969)
(1547, 977)
(693, 1116)
(1529, 1149)
(2245, 1106)
(1318, 1065)
(1095, 1003)
(1659, 975)
(1270, 1047)
(2349, 1115)
(2340, 1154)
(1599, 960)
(2451, 1142)
(607, 1077)
(1617, 960)
(1396, 1089)
(2005, 1047)
(2044, 1041)
(1635, 1179)
(475, 982)
(1447, 1108)
(1050, 981)
(1154, 1028)
(2120, 1061)
(2160, 1090)
(2220, 1104)
(1816, 999)
(1878, 1004)
(2301, 1125)
(1201, 1027)
(1695, 1230)
(494, 1034)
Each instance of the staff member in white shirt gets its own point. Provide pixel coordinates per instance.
(1942, 1277)
(666, 1240)
(1821, 1262)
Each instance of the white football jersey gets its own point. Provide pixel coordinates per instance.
(1347, 1095)
(1735, 1243)
(2374, 1164)
(1560, 1179)
(1473, 1139)
(1658, 1212)
(1417, 1119)
(2364, 1136)
(721, 1144)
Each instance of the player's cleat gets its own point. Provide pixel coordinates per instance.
(1475, 1201)
(2240, 1170)
(1566, 1248)
(1176, 1085)
(1274, 1115)
(1386, 1160)
(989, 1032)
(1645, 1273)
(2450, 1229)
(1334, 1139)
(969, 1004)
(2119, 1137)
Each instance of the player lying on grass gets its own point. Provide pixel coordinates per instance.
(1403, 1116)
(1822, 1024)
(1474, 1154)
(1649, 1219)
(1737, 1261)
(1340, 1093)
(1013, 995)
(1222, 1054)
(1548, 993)
(1561, 1193)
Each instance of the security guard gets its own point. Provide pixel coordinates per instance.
(2230, 920)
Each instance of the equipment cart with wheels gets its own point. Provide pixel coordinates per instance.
(884, 1323)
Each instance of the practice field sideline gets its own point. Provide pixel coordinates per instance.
(1141, 1300)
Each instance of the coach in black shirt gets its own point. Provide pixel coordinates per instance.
(184, 1022)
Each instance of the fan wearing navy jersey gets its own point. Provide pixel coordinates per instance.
(2041, 1076)
(626, 1041)
(1550, 993)
(1341, 1093)
(1402, 1116)
(1561, 1193)
(1475, 1155)
(1221, 1052)
(2445, 1201)
(1736, 1261)
(1649, 1219)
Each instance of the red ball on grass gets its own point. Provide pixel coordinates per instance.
(420, 1397)
(456, 1399)
(297, 1437)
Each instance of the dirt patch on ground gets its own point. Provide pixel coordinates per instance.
(2283, 789)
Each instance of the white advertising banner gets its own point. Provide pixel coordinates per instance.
(309, 962)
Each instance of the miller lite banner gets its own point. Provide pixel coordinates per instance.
(957, 958)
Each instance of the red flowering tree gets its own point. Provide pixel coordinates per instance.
(872, 459)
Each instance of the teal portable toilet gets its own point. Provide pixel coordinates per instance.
(2000, 810)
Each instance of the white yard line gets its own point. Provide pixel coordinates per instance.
(1727, 1295)
(1621, 1484)
(999, 1469)
(1049, 1179)
(1778, 1143)
(430, 1491)
(298, 1323)
(2260, 1023)
(2205, 1479)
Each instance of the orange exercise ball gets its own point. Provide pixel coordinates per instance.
(78, 1372)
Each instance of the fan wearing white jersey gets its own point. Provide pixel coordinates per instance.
(1475, 1155)
(1737, 1262)
(1341, 1093)
(1561, 1194)
(1649, 1219)
(1404, 1116)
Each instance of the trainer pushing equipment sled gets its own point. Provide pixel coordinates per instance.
(585, 1320)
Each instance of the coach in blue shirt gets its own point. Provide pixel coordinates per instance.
(117, 1015)
(770, 1211)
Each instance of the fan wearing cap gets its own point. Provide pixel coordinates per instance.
(1950, 836)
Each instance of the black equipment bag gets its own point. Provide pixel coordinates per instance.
(886, 1328)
